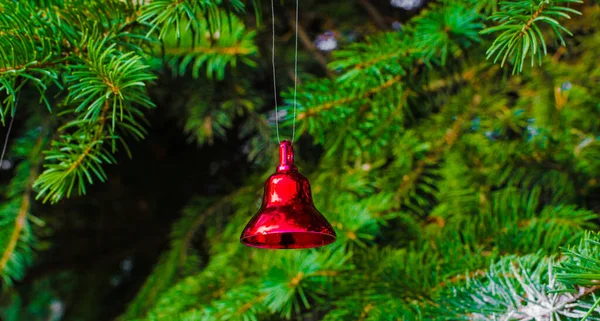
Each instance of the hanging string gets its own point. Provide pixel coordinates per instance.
(274, 72)
(12, 119)
(295, 76)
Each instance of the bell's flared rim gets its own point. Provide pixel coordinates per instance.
(295, 240)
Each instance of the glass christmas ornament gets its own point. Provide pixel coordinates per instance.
(287, 218)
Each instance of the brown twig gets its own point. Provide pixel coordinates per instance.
(20, 222)
(532, 18)
(250, 303)
(306, 42)
(365, 312)
(233, 51)
(21, 219)
(366, 94)
(375, 15)
(24, 66)
(97, 136)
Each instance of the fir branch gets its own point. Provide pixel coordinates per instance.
(26, 66)
(232, 51)
(15, 234)
(388, 53)
(108, 88)
(440, 147)
(24, 60)
(43, 39)
(365, 312)
(444, 31)
(244, 308)
(291, 276)
(210, 284)
(520, 34)
(214, 43)
(182, 15)
(176, 258)
(374, 156)
(580, 266)
(245, 303)
(364, 95)
(208, 116)
(20, 221)
(54, 187)
(516, 288)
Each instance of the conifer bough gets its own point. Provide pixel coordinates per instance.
(457, 192)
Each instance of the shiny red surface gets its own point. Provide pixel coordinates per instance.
(287, 218)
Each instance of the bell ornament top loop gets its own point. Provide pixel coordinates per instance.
(286, 157)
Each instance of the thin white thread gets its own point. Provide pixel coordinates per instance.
(295, 76)
(12, 119)
(274, 72)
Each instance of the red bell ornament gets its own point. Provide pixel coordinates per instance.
(287, 218)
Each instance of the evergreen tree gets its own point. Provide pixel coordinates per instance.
(455, 150)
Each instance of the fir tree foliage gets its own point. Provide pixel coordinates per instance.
(457, 194)
(17, 240)
(453, 187)
(524, 288)
(104, 67)
(224, 41)
(443, 32)
(163, 15)
(101, 67)
(580, 266)
(105, 91)
(520, 34)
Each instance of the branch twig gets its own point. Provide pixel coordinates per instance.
(310, 46)
(366, 94)
(21, 219)
(375, 15)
